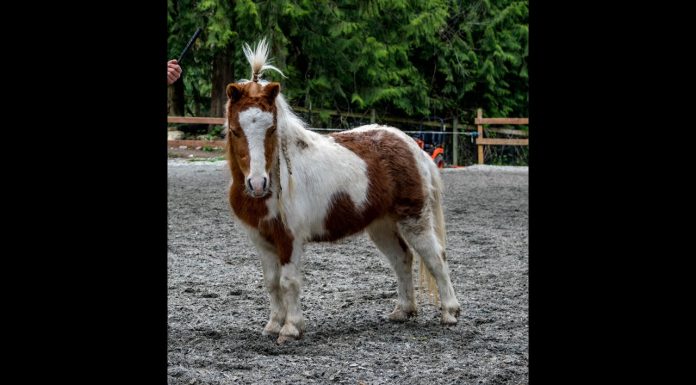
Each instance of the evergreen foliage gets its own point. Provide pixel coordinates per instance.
(410, 58)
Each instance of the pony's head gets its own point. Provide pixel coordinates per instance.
(252, 122)
(252, 134)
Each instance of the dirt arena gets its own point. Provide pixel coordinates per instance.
(218, 304)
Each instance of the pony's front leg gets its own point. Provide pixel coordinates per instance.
(271, 276)
(291, 284)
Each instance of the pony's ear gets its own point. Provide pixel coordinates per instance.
(271, 90)
(234, 92)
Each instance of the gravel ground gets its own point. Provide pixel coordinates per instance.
(218, 305)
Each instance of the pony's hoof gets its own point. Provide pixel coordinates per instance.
(283, 339)
(272, 329)
(450, 313)
(448, 319)
(288, 333)
(399, 315)
(455, 311)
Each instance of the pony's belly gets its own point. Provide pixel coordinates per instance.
(345, 219)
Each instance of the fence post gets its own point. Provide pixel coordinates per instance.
(373, 116)
(455, 141)
(479, 128)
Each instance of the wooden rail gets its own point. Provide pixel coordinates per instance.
(498, 142)
(506, 131)
(482, 141)
(481, 120)
(197, 143)
(195, 120)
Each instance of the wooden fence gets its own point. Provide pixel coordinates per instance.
(196, 120)
(483, 141)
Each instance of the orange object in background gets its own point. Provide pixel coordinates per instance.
(439, 157)
(436, 152)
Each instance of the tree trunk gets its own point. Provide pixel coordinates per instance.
(223, 74)
(176, 97)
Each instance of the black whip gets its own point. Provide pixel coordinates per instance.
(193, 38)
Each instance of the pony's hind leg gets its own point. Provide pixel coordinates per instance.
(385, 235)
(271, 276)
(420, 234)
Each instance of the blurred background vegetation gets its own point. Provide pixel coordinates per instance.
(423, 60)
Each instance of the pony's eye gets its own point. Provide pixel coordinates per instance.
(236, 133)
(272, 129)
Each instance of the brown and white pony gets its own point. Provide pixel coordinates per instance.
(291, 186)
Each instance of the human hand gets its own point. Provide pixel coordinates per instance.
(173, 71)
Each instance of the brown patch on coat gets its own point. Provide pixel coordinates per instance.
(250, 210)
(395, 186)
(275, 232)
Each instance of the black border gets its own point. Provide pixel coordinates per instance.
(102, 100)
(106, 234)
(583, 146)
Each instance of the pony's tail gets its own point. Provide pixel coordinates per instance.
(436, 202)
(258, 59)
(426, 278)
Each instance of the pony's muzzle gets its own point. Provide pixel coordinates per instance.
(257, 186)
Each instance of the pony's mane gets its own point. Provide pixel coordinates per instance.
(287, 117)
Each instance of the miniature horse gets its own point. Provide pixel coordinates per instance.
(291, 186)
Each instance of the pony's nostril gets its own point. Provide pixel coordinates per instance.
(264, 183)
(251, 188)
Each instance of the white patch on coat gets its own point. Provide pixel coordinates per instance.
(254, 123)
(319, 168)
(272, 206)
(319, 171)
